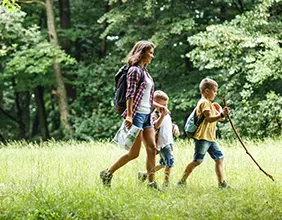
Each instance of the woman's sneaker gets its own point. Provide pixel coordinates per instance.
(106, 177)
(166, 184)
(181, 183)
(223, 185)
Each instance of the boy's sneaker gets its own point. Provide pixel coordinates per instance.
(142, 176)
(223, 185)
(181, 183)
(166, 184)
(106, 177)
(154, 185)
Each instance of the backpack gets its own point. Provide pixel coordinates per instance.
(192, 123)
(121, 87)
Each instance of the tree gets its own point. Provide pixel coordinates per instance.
(245, 56)
(61, 90)
(27, 58)
(234, 42)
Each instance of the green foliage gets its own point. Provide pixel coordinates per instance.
(260, 118)
(238, 43)
(245, 57)
(26, 61)
(93, 113)
(10, 4)
(29, 52)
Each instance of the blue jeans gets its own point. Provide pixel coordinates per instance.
(203, 146)
(142, 120)
(167, 159)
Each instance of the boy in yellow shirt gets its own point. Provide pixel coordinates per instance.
(205, 136)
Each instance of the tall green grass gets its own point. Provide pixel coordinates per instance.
(60, 180)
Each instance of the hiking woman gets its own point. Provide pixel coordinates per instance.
(139, 103)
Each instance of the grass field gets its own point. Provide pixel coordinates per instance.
(60, 180)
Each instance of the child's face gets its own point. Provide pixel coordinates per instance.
(161, 102)
(211, 93)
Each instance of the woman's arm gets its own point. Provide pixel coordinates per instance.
(129, 107)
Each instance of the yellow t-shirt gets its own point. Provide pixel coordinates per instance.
(206, 130)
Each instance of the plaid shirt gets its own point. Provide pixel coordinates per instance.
(135, 92)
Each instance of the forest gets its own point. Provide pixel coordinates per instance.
(59, 58)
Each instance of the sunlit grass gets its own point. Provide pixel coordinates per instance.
(60, 180)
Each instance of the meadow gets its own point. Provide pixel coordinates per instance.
(60, 180)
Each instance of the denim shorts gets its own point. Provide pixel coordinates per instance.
(142, 120)
(167, 159)
(203, 146)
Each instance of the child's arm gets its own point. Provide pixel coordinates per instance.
(221, 115)
(158, 106)
(218, 108)
(175, 130)
(158, 121)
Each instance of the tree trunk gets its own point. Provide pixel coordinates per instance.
(20, 116)
(103, 45)
(2, 139)
(26, 114)
(61, 90)
(41, 117)
(65, 23)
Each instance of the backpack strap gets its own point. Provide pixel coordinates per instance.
(198, 120)
(201, 120)
(142, 74)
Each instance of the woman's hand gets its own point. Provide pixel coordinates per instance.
(128, 122)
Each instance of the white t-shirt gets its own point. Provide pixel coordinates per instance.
(165, 136)
(144, 106)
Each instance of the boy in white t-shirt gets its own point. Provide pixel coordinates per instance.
(164, 137)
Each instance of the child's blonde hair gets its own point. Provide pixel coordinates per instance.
(159, 94)
(207, 83)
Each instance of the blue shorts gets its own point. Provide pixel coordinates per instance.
(203, 146)
(167, 159)
(142, 120)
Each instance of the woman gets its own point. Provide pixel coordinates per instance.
(138, 111)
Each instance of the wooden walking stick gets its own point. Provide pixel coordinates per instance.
(240, 140)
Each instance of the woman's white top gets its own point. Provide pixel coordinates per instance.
(144, 106)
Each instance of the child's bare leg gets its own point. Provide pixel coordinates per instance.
(167, 174)
(219, 170)
(158, 167)
(188, 170)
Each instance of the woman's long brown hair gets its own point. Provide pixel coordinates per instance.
(137, 52)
